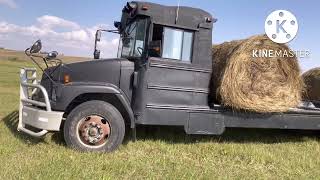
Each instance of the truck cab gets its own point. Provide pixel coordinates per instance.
(160, 77)
(171, 50)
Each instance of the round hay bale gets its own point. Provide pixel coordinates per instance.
(220, 56)
(311, 80)
(259, 84)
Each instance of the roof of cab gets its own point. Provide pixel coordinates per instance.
(182, 16)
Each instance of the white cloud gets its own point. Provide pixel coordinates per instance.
(7, 28)
(80, 35)
(73, 40)
(10, 3)
(49, 22)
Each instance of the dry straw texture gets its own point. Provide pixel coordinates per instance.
(312, 83)
(263, 84)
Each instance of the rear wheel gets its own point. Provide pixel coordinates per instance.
(94, 126)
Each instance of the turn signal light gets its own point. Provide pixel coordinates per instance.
(66, 78)
(145, 7)
(208, 20)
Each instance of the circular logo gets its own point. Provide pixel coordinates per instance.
(281, 26)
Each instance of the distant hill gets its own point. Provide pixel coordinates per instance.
(6, 54)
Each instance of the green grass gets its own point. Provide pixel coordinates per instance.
(159, 153)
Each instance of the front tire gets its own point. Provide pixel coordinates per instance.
(94, 126)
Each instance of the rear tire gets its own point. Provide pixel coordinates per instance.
(94, 126)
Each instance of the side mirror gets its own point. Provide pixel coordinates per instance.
(36, 47)
(96, 54)
(52, 55)
(98, 35)
(117, 25)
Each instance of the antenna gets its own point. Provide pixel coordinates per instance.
(177, 12)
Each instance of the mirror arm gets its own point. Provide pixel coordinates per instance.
(116, 31)
(44, 60)
(57, 66)
(42, 70)
(27, 52)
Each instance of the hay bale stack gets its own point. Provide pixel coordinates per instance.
(259, 84)
(311, 80)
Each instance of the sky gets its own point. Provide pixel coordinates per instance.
(69, 27)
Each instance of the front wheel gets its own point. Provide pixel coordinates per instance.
(94, 126)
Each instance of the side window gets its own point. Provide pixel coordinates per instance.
(187, 46)
(171, 43)
(177, 44)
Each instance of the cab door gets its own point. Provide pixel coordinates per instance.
(171, 85)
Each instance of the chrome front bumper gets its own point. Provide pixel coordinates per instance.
(35, 113)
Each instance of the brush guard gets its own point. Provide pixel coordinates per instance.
(34, 113)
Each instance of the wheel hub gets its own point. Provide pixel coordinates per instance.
(94, 130)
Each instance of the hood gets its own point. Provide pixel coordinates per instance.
(100, 71)
(94, 71)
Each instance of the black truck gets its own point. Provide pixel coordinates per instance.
(161, 77)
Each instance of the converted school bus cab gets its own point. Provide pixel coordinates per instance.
(161, 77)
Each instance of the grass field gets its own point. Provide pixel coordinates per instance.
(159, 153)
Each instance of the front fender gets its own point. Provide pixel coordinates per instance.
(67, 93)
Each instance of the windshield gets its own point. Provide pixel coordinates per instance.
(132, 39)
